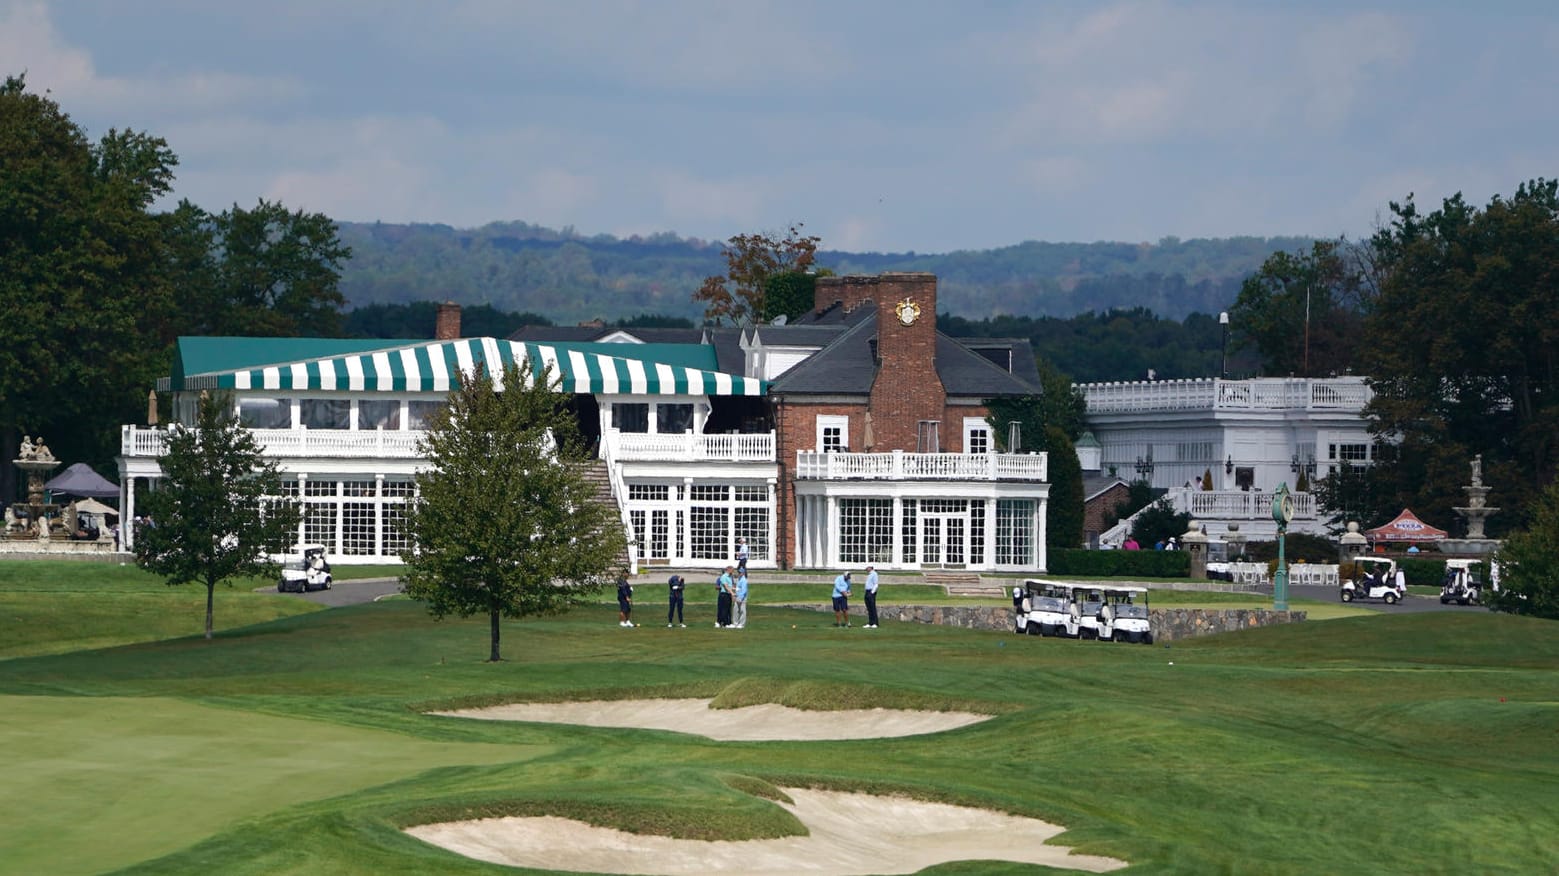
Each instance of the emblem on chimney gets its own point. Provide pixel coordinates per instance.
(908, 311)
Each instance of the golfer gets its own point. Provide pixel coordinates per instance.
(842, 600)
(726, 586)
(871, 598)
(739, 602)
(741, 555)
(624, 601)
(677, 586)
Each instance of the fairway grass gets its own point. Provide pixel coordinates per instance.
(1380, 743)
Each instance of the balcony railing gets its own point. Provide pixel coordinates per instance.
(651, 447)
(901, 466)
(139, 441)
(1237, 504)
(1322, 394)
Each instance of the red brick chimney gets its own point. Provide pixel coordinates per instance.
(447, 326)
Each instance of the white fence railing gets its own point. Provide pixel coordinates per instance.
(900, 466)
(649, 447)
(1236, 504)
(140, 441)
(1201, 394)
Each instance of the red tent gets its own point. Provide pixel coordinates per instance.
(1407, 527)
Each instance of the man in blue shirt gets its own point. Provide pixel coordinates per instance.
(842, 600)
(871, 598)
(726, 585)
(739, 601)
(677, 586)
(741, 555)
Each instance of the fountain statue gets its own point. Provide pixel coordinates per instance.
(37, 461)
(1476, 513)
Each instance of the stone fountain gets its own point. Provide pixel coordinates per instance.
(1476, 513)
(36, 461)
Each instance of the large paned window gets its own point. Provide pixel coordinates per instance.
(833, 433)
(909, 529)
(325, 413)
(865, 531)
(673, 419)
(631, 417)
(377, 414)
(1014, 532)
(419, 414)
(265, 413)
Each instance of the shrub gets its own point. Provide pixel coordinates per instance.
(1121, 564)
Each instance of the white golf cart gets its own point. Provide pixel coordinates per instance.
(309, 572)
(1123, 616)
(1377, 579)
(1461, 584)
(1045, 609)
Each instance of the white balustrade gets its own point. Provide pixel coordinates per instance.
(683, 447)
(1237, 504)
(898, 466)
(1327, 394)
(297, 443)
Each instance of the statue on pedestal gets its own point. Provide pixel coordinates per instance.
(1477, 470)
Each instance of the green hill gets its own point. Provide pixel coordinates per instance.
(568, 277)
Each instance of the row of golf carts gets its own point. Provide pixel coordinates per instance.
(1379, 578)
(1081, 611)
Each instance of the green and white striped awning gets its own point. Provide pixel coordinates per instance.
(432, 367)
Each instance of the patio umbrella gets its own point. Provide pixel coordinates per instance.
(81, 480)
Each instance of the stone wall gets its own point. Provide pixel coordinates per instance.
(1169, 624)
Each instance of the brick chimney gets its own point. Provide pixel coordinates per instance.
(447, 326)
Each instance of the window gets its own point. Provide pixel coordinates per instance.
(378, 415)
(419, 414)
(908, 530)
(359, 527)
(325, 413)
(673, 419)
(648, 492)
(865, 531)
(1357, 452)
(833, 434)
(265, 413)
(927, 437)
(1014, 531)
(632, 417)
(977, 435)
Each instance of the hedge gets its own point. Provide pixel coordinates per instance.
(1120, 564)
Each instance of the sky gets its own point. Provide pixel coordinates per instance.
(882, 126)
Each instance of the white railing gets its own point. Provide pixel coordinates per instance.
(1236, 504)
(649, 447)
(900, 466)
(619, 487)
(1205, 394)
(138, 441)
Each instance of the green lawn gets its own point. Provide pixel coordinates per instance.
(298, 745)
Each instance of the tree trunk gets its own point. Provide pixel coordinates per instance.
(210, 595)
(492, 614)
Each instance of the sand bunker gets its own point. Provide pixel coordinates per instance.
(849, 834)
(750, 723)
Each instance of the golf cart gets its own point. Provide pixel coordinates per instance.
(1461, 584)
(1377, 579)
(1046, 609)
(309, 572)
(1123, 616)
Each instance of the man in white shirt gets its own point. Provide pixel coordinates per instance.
(871, 598)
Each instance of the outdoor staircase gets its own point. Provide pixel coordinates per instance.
(963, 583)
(597, 475)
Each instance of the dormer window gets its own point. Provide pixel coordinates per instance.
(833, 433)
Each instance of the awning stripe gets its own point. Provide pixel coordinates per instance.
(432, 367)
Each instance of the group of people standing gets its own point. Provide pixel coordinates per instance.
(731, 597)
(842, 599)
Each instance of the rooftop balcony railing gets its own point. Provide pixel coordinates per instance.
(685, 447)
(900, 466)
(1237, 504)
(1211, 394)
(304, 443)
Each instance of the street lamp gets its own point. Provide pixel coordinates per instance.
(1145, 466)
(1223, 364)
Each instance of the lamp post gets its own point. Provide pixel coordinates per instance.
(1223, 362)
(1145, 466)
(1282, 513)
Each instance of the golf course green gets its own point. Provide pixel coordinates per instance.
(298, 740)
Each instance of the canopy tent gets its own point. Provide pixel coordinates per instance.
(80, 480)
(432, 367)
(1407, 527)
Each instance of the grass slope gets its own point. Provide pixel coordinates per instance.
(1381, 744)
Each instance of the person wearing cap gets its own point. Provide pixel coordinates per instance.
(741, 555)
(677, 586)
(871, 598)
(842, 600)
(725, 586)
(739, 601)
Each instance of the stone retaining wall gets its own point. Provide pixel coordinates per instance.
(1168, 624)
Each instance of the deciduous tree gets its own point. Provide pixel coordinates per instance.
(1529, 583)
(1303, 310)
(751, 261)
(217, 512)
(505, 523)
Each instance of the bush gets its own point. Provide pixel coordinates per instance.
(1121, 564)
(1296, 546)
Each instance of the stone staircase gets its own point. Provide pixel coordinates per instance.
(597, 475)
(963, 583)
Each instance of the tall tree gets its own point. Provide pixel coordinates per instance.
(82, 279)
(1464, 350)
(1304, 310)
(1059, 403)
(217, 513)
(1530, 580)
(505, 522)
(1064, 520)
(751, 260)
(265, 272)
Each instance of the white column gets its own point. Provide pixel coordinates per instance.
(897, 557)
(127, 514)
(991, 535)
(379, 517)
(773, 524)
